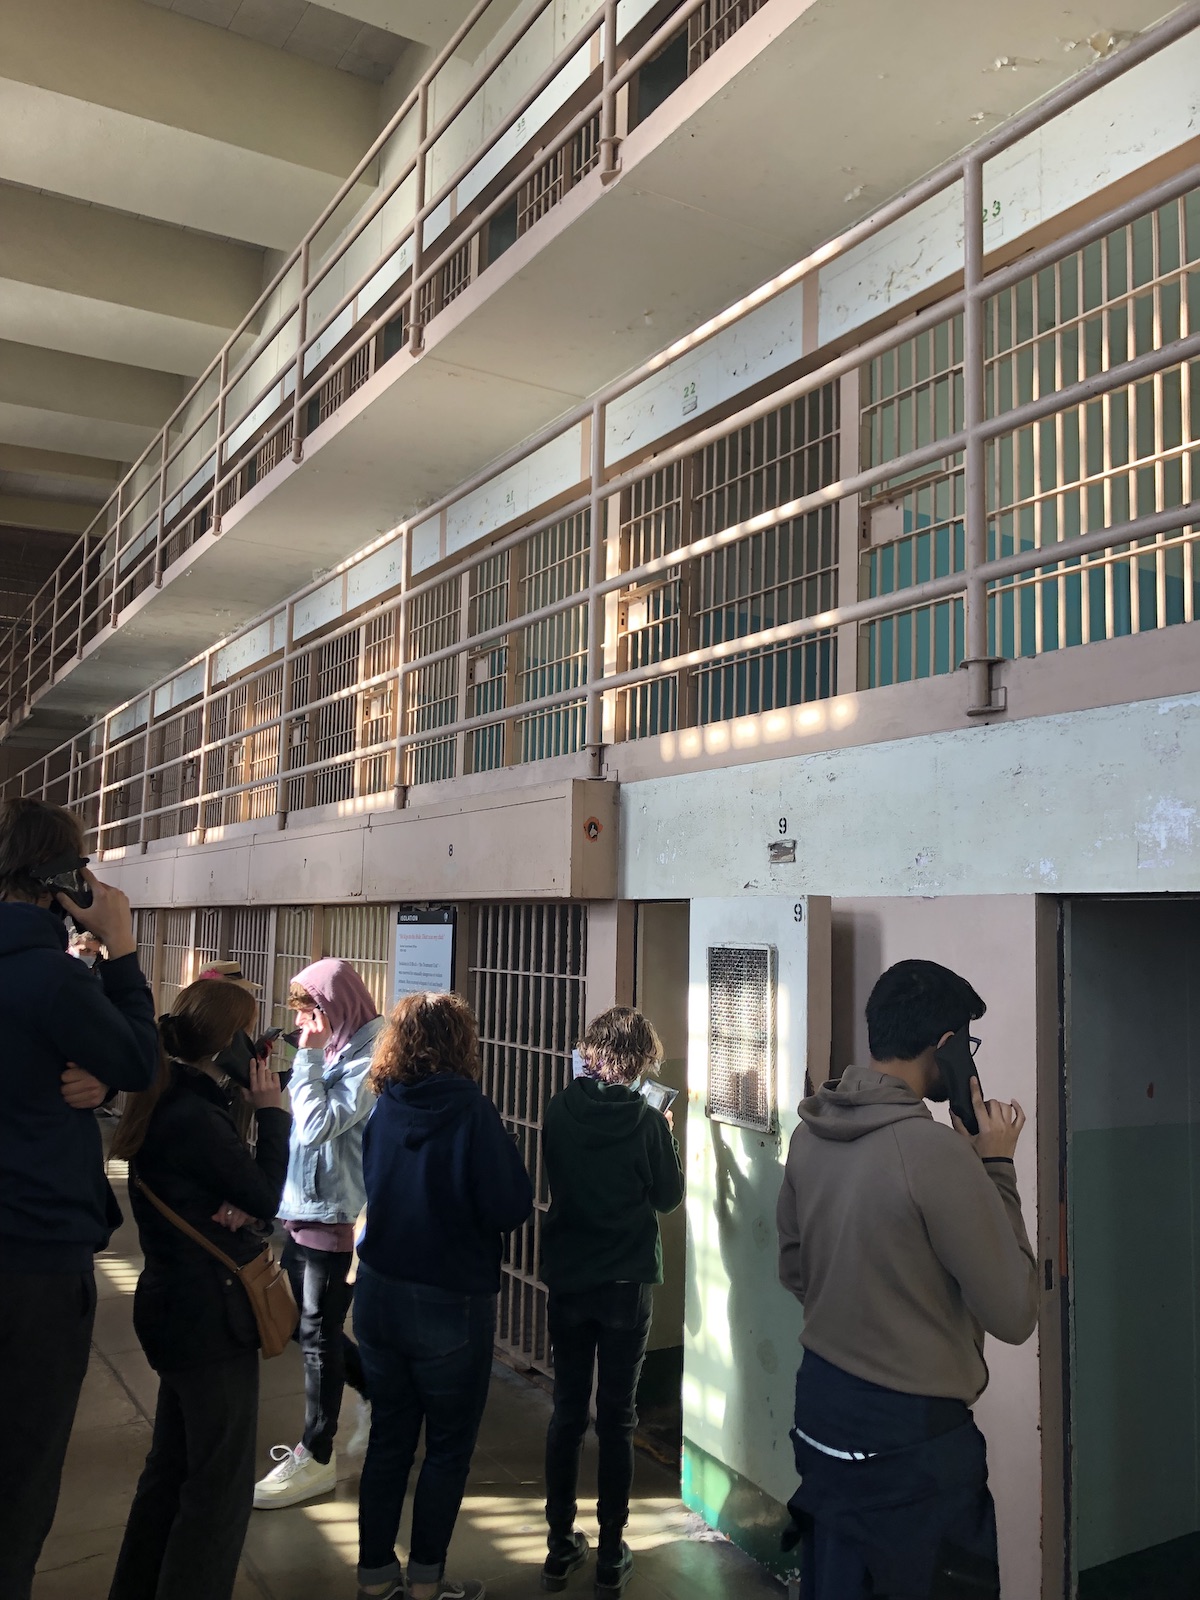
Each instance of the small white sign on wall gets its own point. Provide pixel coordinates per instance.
(424, 950)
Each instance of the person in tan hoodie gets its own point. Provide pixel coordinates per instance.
(903, 1240)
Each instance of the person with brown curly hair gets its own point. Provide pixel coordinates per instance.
(445, 1182)
(613, 1166)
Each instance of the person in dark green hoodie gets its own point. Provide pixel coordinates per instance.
(612, 1165)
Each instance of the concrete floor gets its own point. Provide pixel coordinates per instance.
(309, 1552)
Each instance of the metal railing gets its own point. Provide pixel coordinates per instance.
(239, 422)
(726, 573)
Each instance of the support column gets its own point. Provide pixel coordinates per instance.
(611, 949)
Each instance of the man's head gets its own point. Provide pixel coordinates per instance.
(913, 1008)
(33, 836)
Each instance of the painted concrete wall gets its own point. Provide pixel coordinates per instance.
(662, 993)
(740, 1324)
(1134, 1163)
(1088, 802)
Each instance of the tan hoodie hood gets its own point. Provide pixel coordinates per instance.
(860, 1101)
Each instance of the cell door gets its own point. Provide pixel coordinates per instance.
(1132, 1077)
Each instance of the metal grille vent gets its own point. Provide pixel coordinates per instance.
(741, 1035)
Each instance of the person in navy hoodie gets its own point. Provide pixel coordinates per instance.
(70, 1037)
(444, 1184)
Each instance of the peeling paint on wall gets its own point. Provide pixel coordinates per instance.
(1165, 835)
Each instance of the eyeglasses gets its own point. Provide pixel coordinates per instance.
(974, 1043)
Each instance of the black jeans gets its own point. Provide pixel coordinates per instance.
(599, 1333)
(427, 1355)
(912, 1518)
(330, 1359)
(45, 1335)
(188, 1521)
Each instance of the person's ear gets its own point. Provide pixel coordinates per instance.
(944, 1040)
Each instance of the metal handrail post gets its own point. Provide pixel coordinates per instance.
(301, 342)
(593, 732)
(609, 165)
(161, 537)
(222, 396)
(114, 606)
(285, 716)
(399, 785)
(977, 660)
(416, 330)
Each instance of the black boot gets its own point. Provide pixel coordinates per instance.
(568, 1552)
(614, 1568)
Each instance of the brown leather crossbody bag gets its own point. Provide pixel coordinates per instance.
(264, 1280)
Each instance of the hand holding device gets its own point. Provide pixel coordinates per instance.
(1000, 1124)
(105, 913)
(265, 1093)
(315, 1031)
(659, 1096)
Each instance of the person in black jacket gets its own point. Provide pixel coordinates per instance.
(70, 1037)
(192, 1317)
(613, 1165)
(444, 1183)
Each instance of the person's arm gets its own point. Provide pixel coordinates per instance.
(972, 1213)
(503, 1193)
(322, 1110)
(107, 1029)
(791, 1272)
(666, 1169)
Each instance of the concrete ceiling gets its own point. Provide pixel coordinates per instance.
(152, 168)
(317, 32)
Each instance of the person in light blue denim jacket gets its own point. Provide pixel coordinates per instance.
(323, 1196)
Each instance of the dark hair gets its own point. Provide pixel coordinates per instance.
(913, 1004)
(203, 1019)
(621, 1046)
(426, 1033)
(33, 833)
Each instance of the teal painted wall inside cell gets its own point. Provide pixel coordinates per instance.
(1134, 1174)
(734, 1506)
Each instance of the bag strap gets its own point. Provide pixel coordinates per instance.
(185, 1227)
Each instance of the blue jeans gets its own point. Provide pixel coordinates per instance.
(427, 1359)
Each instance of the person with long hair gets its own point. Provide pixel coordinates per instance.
(193, 1319)
(613, 1166)
(331, 1100)
(445, 1182)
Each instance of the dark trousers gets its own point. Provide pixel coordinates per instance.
(330, 1359)
(427, 1356)
(45, 1335)
(600, 1333)
(911, 1520)
(188, 1521)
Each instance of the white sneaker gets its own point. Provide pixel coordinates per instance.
(297, 1477)
(357, 1443)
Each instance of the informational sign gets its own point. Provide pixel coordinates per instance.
(424, 950)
